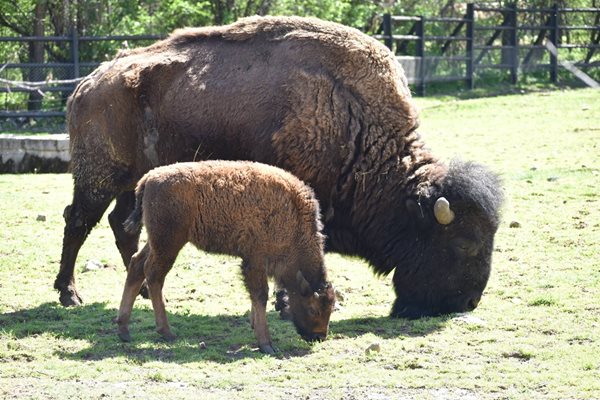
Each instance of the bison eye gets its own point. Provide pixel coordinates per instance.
(464, 247)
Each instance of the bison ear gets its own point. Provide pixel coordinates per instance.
(414, 209)
(330, 294)
(417, 214)
(303, 284)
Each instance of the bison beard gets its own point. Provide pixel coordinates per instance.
(321, 100)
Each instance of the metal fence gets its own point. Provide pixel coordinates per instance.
(53, 81)
(431, 49)
(490, 38)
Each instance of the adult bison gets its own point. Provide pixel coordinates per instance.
(321, 100)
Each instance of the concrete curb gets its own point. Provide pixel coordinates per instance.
(34, 153)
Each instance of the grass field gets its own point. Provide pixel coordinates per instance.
(536, 333)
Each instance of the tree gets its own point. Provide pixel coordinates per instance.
(15, 17)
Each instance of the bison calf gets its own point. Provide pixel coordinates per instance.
(257, 212)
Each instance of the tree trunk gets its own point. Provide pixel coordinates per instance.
(507, 39)
(36, 55)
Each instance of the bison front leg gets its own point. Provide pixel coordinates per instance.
(255, 279)
(80, 217)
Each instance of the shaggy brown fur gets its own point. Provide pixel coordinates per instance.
(321, 100)
(257, 212)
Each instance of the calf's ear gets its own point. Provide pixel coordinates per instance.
(329, 294)
(303, 284)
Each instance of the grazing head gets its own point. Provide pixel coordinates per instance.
(310, 308)
(449, 263)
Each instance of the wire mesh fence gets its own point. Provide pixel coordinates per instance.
(33, 95)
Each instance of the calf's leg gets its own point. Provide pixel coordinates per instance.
(135, 277)
(156, 268)
(255, 279)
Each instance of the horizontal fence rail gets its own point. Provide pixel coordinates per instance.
(431, 50)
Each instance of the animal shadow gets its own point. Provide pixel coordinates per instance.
(219, 338)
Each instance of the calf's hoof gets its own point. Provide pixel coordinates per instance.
(167, 336)
(69, 298)
(124, 335)
(267, 349)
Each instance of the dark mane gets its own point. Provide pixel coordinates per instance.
(474, 183)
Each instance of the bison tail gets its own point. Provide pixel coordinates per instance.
(133, 223)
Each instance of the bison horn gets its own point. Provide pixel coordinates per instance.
(303, 284)
(442, 211)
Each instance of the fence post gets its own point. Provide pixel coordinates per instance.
(470, 17)
(387, 31)
(420, 50)
(514, 42)
(75, 52)
(554, 39)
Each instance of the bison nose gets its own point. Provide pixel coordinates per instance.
(472, 303)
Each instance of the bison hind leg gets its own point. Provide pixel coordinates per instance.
(127, 243)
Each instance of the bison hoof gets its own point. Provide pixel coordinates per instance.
(285, 314)
(282, 304)
(70, 298)
(267, 349)
(144, 291)
(168, 336)
(124, 335)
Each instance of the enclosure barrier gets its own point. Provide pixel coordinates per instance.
(469, 45)
(52, 91)
(431, 49)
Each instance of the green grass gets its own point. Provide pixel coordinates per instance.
(536, 333)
